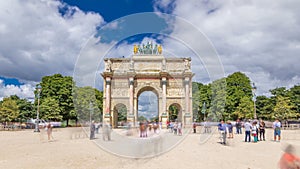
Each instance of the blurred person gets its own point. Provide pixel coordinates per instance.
(179, 129)
(106, 131)
(289, 160)
(92, 130)
(48, 128)
(230, 128)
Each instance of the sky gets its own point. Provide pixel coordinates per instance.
(43, 37)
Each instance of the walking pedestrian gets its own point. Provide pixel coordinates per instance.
(92, 130)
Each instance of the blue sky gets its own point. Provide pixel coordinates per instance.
(113, 9)
(40, 38)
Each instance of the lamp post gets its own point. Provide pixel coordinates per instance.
(203, 111)
(254, 99)
(38, 89)
(196, 114)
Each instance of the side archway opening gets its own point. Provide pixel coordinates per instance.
(175, 112)
(120, 115)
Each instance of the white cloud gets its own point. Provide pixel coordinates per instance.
(36, 40)
(261, 37)
(23, 91)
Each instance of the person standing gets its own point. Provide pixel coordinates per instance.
(254, 131)
(238, 126)
(248, 127)
(230, 128)
(223, 132)
(194, 127)
(262, 127)
(277, 129)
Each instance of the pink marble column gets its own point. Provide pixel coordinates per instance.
(187, 95)
(107, 101)
(131, 81)
(164, 94)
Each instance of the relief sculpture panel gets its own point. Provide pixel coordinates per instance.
(175, 92)
(147, 65)
(120, 92)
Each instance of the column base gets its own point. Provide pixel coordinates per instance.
(164, 119)
(131, 120)
(187, 120)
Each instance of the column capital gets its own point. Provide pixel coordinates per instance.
(131, 80)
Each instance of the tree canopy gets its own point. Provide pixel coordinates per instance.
(231, 98)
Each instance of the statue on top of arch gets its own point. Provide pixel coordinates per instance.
(149, 48)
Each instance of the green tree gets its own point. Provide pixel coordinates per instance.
(264, 107)
(279, 91)
(26, 108)
(59, 88)
(9, 110)
(201, 94)
(237, 87)
(142, 118)
(245, 110)
(50, 110)
(284, 109)
(294, 95)
(173, 112)
(218, 98)
(88, 103)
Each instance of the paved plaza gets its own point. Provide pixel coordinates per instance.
(71, 148)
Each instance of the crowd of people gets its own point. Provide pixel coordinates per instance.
(175, 127)
(254, 130)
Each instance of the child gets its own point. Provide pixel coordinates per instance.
(254, 131)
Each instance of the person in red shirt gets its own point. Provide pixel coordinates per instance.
(289, 160)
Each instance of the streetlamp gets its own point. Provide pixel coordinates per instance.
(38, 89)
(254, 99)
(203, 111)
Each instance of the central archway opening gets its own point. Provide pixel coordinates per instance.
(148, 105)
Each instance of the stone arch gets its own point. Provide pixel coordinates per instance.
(126, 78)
(141, 88)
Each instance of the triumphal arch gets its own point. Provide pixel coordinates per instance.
(147, 70)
